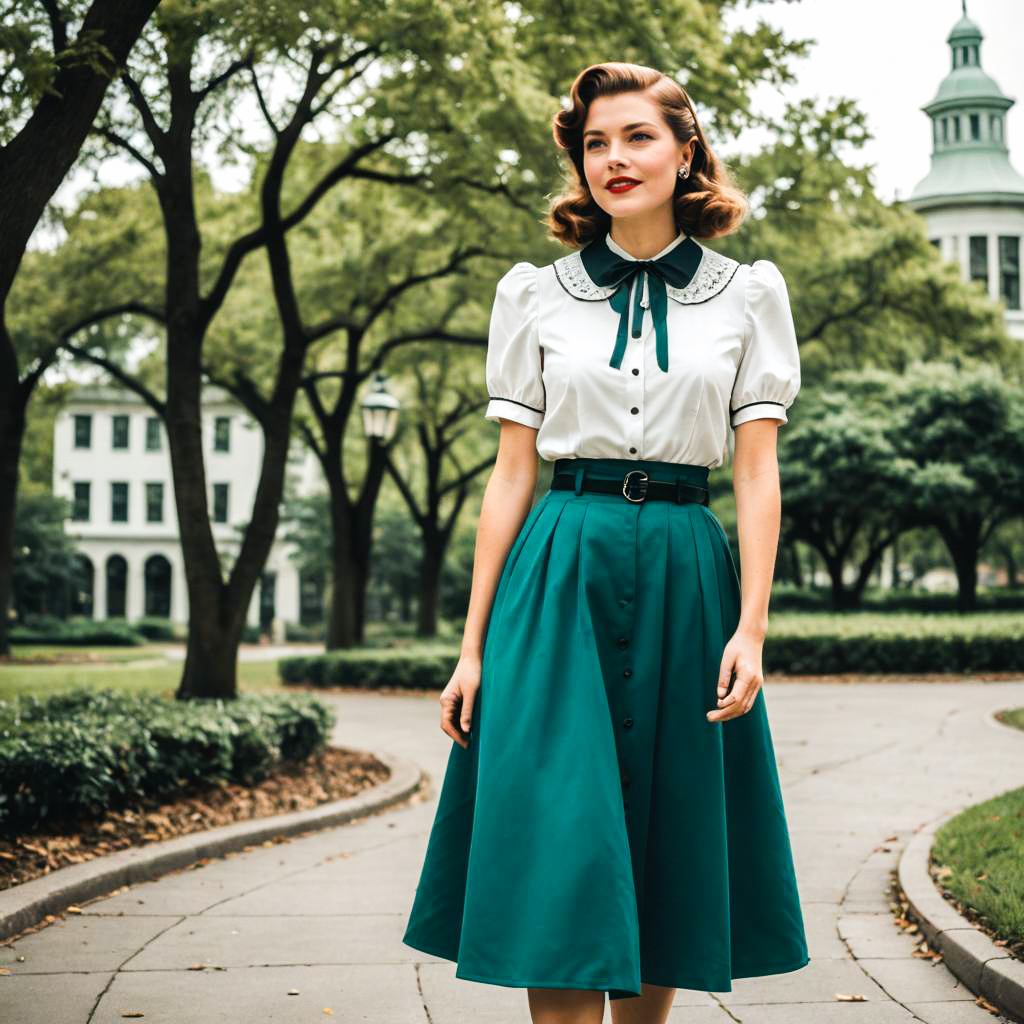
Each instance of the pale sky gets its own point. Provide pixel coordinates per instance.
(890, 56)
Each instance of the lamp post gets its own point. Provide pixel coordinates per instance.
(352, 571)
(380, 412)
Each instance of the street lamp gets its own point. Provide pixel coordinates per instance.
(380, 412)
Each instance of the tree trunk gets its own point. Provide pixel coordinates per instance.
(12, 433)
(963, 541)
(431, 568)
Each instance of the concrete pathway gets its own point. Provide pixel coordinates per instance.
(287, 932)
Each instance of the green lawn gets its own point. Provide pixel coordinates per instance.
(982, 851)
(142, 669)
(856, 623)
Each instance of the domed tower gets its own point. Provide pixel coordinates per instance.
(972, 198)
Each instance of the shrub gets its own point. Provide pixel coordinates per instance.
(82, 751)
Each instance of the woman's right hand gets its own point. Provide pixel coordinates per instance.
(458, 697)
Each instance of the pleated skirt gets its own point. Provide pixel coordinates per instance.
(598, 831)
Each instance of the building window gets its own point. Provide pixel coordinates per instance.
(83, 430)
(937, 242)
(220, 503)
(222, 434)
(1009, 270)
(979, 258)
(119, 503)
(119, 437)
(80, 502)
(956, 127)
(154, 503)
(153, 439)
(945, 129)
(995, 128)
(976, 127)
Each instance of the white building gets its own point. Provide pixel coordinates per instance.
(973, 198)
(112, 462)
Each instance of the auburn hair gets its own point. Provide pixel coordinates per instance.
(707, 203)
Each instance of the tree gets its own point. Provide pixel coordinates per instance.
(845, 483)
(52, 83)
(964, 428)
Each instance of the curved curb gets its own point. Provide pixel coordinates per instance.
(25, 905)
(985, 968)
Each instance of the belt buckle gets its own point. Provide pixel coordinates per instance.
(627, 485)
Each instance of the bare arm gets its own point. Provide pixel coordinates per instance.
(755, 480)
(508, 497)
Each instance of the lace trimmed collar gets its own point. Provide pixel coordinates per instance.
(713, 273)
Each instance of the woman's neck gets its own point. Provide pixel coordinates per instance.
(643, 239)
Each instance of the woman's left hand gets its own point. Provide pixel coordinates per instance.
(743, 654)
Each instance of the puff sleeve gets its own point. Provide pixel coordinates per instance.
(515, 388)
(768, 375)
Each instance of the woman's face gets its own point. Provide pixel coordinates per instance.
(625, 136)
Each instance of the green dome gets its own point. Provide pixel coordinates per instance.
(970, 159)
(964, 31)
(969, 82)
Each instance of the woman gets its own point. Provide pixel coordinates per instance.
(610, 818)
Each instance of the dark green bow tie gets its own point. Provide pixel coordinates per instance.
(610, 270)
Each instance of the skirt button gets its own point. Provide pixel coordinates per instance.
(627, 722)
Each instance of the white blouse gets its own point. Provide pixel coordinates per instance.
(733, 357)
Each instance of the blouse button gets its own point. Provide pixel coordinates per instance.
(634, 410)
(635, 371)
(627, 672)
(632, 451)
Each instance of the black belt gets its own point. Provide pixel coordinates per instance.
(635, 486)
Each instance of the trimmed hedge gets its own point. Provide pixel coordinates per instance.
(47, 629)
(371, 668)
(797, 644)
(83, 751)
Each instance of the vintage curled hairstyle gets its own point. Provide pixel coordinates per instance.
(707, 203)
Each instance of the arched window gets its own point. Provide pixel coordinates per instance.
(157, 574)
(117, 587)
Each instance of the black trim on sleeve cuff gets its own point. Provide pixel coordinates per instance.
(761, 401)
(498, 398)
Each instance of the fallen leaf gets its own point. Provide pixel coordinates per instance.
(843, 997)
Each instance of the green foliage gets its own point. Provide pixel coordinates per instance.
(44, 555)
(82, 751)
(29, 59)
(978, 853)
(796, 644)
(155, 628)
(886, 643)
(78, 632)
(372, 668)
(876, 453)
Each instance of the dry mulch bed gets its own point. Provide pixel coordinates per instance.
(332, 774)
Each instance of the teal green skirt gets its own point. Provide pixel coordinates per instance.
(598, 831)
